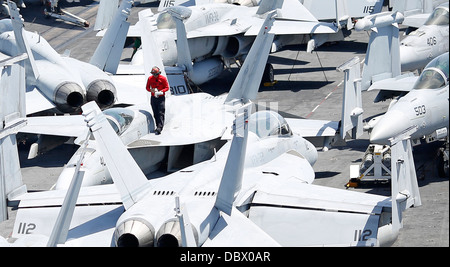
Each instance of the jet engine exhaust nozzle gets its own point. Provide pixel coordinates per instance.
(69, 97)
(102, 92)
(169, 235)
(134, 232)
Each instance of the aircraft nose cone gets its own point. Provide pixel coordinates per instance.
(413, 58)
(390, 125)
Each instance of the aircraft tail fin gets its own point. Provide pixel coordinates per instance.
(126, 174)
(404, 186)
(231, 181)
(246, 85)
(105, 14)
(351, 118)
(12, 116)
(184, 59)
(269, 5)
(152, 55)
(107, 55)
(383, 51)
(31, 69)
(62, 224)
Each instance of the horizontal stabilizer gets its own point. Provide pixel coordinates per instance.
(229, 230)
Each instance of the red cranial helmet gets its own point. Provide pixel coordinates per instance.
(155, 71)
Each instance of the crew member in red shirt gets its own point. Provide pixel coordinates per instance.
(157, 84)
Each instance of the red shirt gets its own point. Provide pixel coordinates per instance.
(159, 82)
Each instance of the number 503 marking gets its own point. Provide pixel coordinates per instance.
(420, 110)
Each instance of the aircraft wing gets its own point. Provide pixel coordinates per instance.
(313, 128)
(226, 28)
(193, 118)
(35, 101)
(70, 126)
(316, 210)
(285, 27)
(97, 209)
(131, 89)
(404, 82)
(416, 20)
(172, 135)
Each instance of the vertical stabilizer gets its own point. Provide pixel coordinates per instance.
(352, 112)
(126, 174)
(269, 5)
(107, 55)
(383, 51)
(32, 72)
(404, 186)
(184, 59)
(62, 224)
(231, 182)
(246, 85)
(12, 118)
(152, 56)
(105, 13)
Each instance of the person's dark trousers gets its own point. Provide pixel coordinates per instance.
(159, 109)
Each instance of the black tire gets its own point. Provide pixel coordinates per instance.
(442, 165)
(268, 75)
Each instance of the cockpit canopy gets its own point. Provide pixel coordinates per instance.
(268, 123)
(119, 118)
(439, 16)
(165, 19)
(435, 74)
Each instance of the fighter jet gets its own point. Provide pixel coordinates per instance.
(427, 42)
(54, 81)
(221, 34)
(419, 101)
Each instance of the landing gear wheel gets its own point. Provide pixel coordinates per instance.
(442, 165)
(268, 76)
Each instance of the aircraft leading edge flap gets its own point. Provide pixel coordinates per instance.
(229, 230)
(125, 172)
